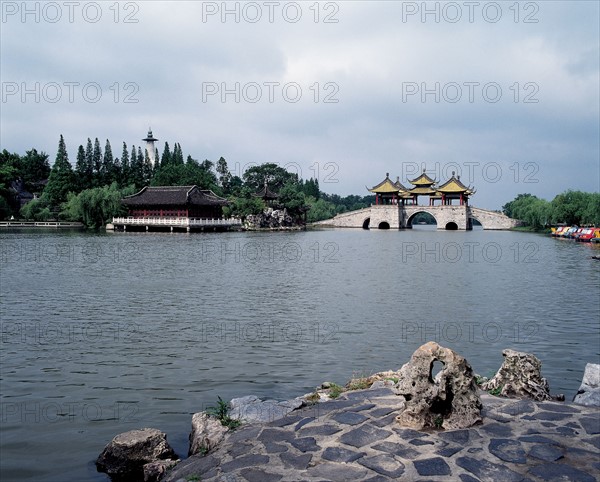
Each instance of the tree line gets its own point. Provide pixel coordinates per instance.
(91, 190)
(571, 207)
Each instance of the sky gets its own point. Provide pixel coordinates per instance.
(505, 94)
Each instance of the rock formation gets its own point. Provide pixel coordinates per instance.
(252, 409)
(589, 391)
(450, 400)
(520, 376)
(126, 454)
(207, 433)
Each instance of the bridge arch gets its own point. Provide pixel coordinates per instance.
(409, 221)
(366, 223)
(384, 225)
(451, 226)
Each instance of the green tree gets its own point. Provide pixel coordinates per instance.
(165, 160)
(96, 207)
(34, 168)
(276, 176)
(224, 175)
(244, 205)
(125, 168)
(107, 170)
(81, 173)
(61, 180)
(97, 163)
(292, 198)
(136, 165)
(8, 173)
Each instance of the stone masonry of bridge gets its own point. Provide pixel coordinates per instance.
(400, 217)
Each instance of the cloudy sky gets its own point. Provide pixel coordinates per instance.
(505, 93)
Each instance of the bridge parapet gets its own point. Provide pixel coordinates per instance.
(400, 217)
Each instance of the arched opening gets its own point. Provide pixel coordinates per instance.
(384, 225)
(366, 223)
(421, 220)
(435, 368)
(475, 224)
(451, 226)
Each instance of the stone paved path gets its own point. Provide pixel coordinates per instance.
(356, 438)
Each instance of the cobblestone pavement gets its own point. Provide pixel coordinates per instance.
(355, 437)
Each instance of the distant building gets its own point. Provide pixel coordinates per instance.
(388, 192)
(174, 207)
(150, 149)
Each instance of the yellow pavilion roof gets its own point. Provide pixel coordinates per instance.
(423, 180)
(454, 186)
(385, 187)
(422, 190)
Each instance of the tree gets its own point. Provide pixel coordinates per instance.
(61, 180)
(107, 170)
(34, 168)
(224, 174)
(8, 173)
(125, 168)
(292, 198)
(136, 165)
(276, 176)
(95, 207)
(97, 163)
(166, 156)
(244, 205)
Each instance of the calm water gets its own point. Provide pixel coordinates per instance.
(111, 332)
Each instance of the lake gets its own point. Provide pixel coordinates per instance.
(104, 333)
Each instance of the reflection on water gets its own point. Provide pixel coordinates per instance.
(106, 333)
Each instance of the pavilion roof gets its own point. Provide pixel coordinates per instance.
(399, 185)
(423, 180)
(174, 196)
(422, 190)
(385, 187)
(265, 193)
(454, 186)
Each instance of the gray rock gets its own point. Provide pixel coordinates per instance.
(252, 409)
(560, 472)
(508, 450)
(257, 475)
(384, 465)
(451, 400)
(487, 471)
(349, 418)
(250, 460)
(589, 391)
(435, 466)
(154, 471)
(340, 454)
(298, 462)
(520, 376)
(337, 472)
(207, 433)
(364, 435)
(127, 453)
(546, 452)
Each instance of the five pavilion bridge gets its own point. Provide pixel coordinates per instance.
(396, 207)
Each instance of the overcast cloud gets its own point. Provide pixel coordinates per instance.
(360, 112)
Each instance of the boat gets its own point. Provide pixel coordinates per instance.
(588, 234)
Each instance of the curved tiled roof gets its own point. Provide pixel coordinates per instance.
(174, 196)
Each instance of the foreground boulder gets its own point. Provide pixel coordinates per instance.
(126, 454)
(207, 433)
(589, 391)
(520, 376)
(449, 401)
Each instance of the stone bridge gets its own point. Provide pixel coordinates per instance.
(401, 217)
